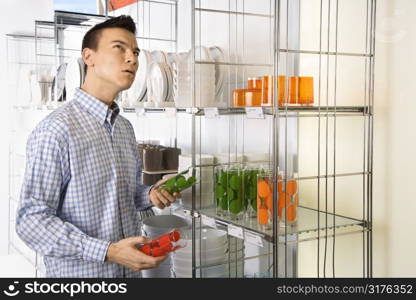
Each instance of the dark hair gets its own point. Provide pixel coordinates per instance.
(90, 39)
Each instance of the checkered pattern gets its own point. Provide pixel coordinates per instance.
(81, 189)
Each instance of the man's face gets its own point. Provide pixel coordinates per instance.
(115, 59)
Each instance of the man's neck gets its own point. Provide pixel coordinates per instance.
(100, 91)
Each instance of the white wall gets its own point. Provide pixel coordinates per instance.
(16, 16)
(394, 242)
(395, 135)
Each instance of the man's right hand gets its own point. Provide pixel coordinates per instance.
(125, 253)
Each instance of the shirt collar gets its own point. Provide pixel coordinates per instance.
(97, 108)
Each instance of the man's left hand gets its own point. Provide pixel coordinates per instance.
(161, 198)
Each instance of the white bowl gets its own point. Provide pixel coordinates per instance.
(187, 263)
(183, 254)
(186, 260)
(211, 238)
(156, 226)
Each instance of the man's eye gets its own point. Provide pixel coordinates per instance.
(117, 46)
(136, 53)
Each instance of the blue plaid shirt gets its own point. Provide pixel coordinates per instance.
(81, 188)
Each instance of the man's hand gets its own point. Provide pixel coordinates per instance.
(160, 198)
(125, 253)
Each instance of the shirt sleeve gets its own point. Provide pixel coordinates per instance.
(37, 223)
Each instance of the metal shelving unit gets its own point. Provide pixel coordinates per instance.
(50, 47)
(322, 221)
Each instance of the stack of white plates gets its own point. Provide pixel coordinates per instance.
(204, 79)
(160, 84)
(159, 56)
(164, 79)
(137, 93)
(213, 250)
(160, 80)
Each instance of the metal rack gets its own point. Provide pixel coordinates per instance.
(53, 44)
(20, 61)
(322, 221)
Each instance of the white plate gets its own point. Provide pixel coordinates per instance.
(187, 262)
(169, 77)
(137, 92)
(74, 77)
(186, 252)
(158, 83)
(211, 238)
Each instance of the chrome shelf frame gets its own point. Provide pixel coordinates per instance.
(285, 37)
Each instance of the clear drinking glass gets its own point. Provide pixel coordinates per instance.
(288, 201)
(220, 190)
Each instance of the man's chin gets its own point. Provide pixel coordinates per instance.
(125, 86)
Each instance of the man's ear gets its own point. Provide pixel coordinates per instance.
(88, 57)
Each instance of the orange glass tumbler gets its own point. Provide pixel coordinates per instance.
(293, 90)
(288, 203)
(306, 91)
(264, 200)
(239, 98)
(253, 97)
(254, 83)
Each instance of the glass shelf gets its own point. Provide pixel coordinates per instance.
(301, 111)
(307, 223)
(306, 111)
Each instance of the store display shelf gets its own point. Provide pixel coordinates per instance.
(307, 223)
(201, 62)
(155, 109)
(260, 112)
(208, 10)
(307, 111)
(29, 37)
(42, 107)
(167, 2)
(289, 110)
(155, 39)
(77, 19)
(160, 172)
(297, 51)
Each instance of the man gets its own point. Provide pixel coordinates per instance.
(81, 191)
